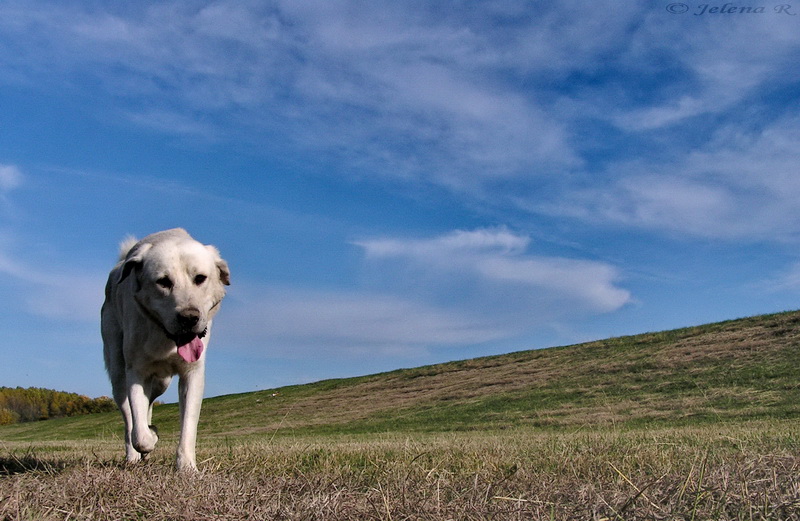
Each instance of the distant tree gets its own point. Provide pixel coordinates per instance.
(102, 404)
(34, 404)
(7, 416)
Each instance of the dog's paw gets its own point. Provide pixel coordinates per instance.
(186, 466)
(185, 461)
(132, 456)
(146, 441)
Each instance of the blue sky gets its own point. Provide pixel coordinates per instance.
(396, 183)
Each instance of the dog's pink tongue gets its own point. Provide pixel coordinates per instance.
(191, 351)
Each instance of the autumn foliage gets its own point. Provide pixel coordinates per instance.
(33, 404)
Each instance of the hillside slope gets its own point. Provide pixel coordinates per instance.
(733, 370)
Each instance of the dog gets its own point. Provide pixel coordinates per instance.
(160, 300)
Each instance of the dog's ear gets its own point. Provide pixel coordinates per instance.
(224, 272)
(134, 258)
(222, 266)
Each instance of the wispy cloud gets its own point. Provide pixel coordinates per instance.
(173, 123)
(461, 98)
(500, 274)
(42, 291)
(489, 241)
(294, 322)
(10, 178)
(456, 290)
(55, 293)
(740, 185)
(398, 86)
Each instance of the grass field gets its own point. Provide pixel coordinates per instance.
(697, 423)
(726, 471)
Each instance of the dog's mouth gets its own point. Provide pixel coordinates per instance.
(190, 345)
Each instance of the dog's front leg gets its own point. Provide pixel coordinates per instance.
(190, 399)
(131, 454)
(143, 437)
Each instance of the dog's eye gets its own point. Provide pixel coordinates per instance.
(164, 282)
(199, 279)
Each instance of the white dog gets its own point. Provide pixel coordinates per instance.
(155, 321)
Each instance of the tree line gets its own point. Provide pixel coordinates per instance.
(33, 404)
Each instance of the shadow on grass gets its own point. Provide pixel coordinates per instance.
(11, 465)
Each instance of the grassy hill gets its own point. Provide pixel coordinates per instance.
(733, 370)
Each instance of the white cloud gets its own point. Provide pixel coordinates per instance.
(403, 88)
(662, 202)
(716, 66)
(493, 266)
(739, 185)
(499, 240)
(456, 290)
(655, 117)
(489, 102)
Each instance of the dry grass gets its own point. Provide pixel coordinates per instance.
(744, 472)
(695, 424)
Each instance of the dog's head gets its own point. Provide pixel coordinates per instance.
(179, 283)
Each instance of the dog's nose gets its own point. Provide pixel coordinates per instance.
(188, 318)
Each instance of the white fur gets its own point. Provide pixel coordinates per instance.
(149, 295)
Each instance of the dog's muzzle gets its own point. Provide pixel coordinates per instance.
(184, 338)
